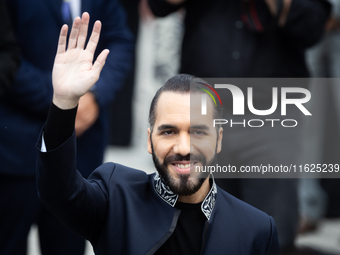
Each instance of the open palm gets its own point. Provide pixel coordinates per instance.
(73, 72)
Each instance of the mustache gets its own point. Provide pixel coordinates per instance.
(189, 157)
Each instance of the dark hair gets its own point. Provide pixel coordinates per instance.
(182, 84)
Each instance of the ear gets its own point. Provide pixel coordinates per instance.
(219, 141)
(149, 141)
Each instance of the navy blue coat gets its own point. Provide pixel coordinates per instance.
(125, 211)
(24, 108)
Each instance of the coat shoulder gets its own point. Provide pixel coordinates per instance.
(117, 175)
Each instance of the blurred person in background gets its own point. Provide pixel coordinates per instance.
(319, 197)
(24, 109)
(253, 39)
(9, 51)
(9, 63)
(121, 108)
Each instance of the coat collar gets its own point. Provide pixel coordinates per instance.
(164, 192)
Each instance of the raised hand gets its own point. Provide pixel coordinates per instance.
(73, 72)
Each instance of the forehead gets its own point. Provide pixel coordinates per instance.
(173, 108)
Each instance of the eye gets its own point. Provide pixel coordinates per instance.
(198, 132)
(167, 132)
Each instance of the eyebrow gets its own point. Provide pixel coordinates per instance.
(168, 126)
(201, 127)
(165, 127)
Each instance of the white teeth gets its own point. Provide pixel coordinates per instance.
(184, 166)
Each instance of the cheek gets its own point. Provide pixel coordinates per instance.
(162, 148)
(207, 147)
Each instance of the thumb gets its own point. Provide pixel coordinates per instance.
(100, 61)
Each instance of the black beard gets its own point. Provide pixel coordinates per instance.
(184, 188)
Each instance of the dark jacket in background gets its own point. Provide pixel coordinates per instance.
(9, 51)
(221, 39)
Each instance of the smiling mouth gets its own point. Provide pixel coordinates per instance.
(183, 168)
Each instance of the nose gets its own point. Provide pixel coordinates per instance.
(182, 145)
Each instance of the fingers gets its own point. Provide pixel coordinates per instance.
(83, 30)
(62, 39)
(100, 62)
(92, 44)
(72, 41)
(79, 33)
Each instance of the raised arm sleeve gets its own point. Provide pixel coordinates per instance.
(59, 126)
(79, 203)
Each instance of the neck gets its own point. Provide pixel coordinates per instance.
(198, 196)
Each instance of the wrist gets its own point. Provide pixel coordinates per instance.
(65, 103)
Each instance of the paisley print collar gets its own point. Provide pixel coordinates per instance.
(164, 192)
